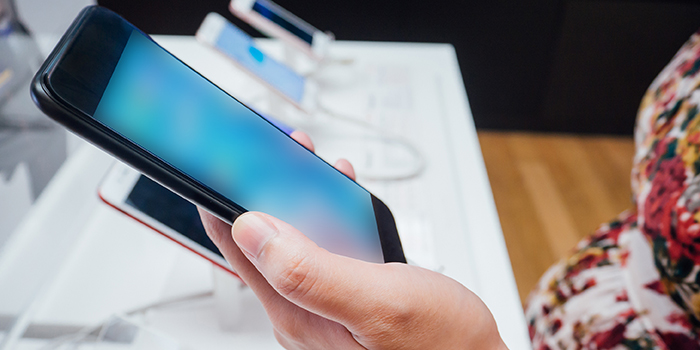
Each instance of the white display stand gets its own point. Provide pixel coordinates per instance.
(75, 262)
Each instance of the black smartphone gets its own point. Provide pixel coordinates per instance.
(113, 85)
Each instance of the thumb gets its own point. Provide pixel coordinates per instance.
(324, 283)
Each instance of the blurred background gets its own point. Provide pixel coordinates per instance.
(554, 87)
(540, 65)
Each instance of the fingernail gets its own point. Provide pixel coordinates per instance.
(251, 231)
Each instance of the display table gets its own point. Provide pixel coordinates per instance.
(74, 262)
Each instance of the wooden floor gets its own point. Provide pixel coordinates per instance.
(552, 190)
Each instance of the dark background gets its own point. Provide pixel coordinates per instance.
(544, 65)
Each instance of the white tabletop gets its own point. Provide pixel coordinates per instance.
(75, 261)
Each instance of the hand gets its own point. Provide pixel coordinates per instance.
(319, 300)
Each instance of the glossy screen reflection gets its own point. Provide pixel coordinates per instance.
(174, 113)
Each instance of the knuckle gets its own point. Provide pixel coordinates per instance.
(298, 278)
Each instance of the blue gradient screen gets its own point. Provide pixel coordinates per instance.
(169, 110)
(240, 46)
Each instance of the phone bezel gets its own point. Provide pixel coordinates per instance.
(160, 171)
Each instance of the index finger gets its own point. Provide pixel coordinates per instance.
(303, 139)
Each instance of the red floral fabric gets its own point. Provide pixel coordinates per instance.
(635, 283)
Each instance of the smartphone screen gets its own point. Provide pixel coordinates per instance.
(169, 110)
(267, 9)
(240, 46)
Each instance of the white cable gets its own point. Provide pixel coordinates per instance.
(385, 136)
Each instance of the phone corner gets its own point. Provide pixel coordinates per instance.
(388, 232)
(39, 94)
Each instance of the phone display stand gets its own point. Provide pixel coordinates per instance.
(375, 153)
(228, 293)
(327, 73)
(292, 58)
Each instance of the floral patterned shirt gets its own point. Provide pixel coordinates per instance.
(635, 283)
